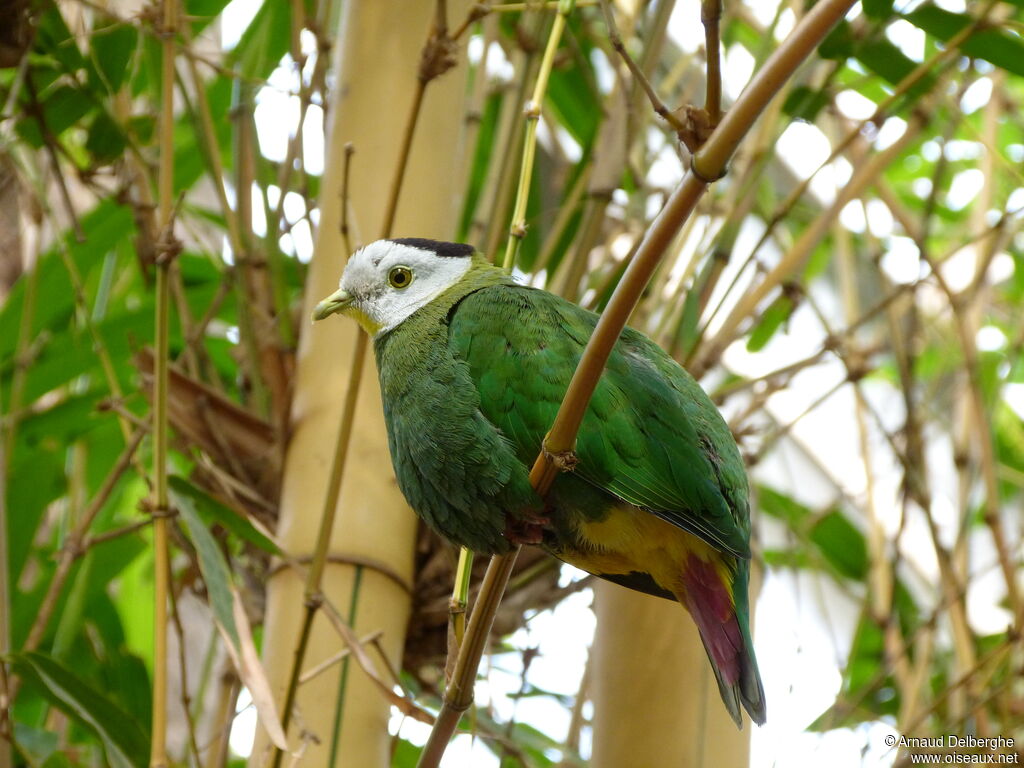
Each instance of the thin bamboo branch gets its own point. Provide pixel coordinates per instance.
(161, 357)
(500, 180)
(6, 724)
(458, 605)
(933, 66)
(249, 273)
(329, 662)
(217, 749)
(880, 576)
(186, 702)
(711, 17)
(532, 110)
(638, 74)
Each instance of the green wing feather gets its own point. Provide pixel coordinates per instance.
(651, 436)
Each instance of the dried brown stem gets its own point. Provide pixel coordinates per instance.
(657, 104)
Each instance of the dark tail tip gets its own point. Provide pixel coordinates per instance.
(746, 693)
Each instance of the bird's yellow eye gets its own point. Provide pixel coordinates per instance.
(400, 277)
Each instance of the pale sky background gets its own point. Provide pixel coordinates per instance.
(803, 644)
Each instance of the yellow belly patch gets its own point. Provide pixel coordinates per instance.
(630, 539)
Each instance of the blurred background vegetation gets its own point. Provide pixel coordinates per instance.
(851, 294)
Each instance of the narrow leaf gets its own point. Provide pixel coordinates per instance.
(246, 660)
(230, 618)
(123, 740)
(212, 511)
(212, 564)
(993, 45)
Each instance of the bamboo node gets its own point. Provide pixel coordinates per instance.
(168, 247)
(564, 461)
(707, 178)
(438, 56)
(477, 12)
(456, 606)
(154, 510)
(531, 109)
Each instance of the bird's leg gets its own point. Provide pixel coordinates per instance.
(527, 526)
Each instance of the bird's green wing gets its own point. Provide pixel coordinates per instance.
(651, 436)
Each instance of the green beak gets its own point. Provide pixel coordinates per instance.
(336, 302)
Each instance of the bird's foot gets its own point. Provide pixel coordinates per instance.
(528, 528)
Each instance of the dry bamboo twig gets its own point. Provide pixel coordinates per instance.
(641, 79)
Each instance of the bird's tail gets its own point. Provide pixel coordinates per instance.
(722, 615)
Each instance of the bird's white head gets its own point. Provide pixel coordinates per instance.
(387, 280)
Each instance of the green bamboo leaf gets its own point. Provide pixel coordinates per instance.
(842, 544)
(782, 507)
(54, 38)
(804, 103)
(863, 696)
(264, 42)
(113, 46)
(203, 12)
(996, 46)
(35, 479)
(35, 744)
(123, 740)
(481, 163)
(773, 317)
(889, 62)
(212, 511)
(216, 574)
(63, 107)
(406, 755)
(877, 9)
(106, 141)
(108, 224)
(838, 44)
